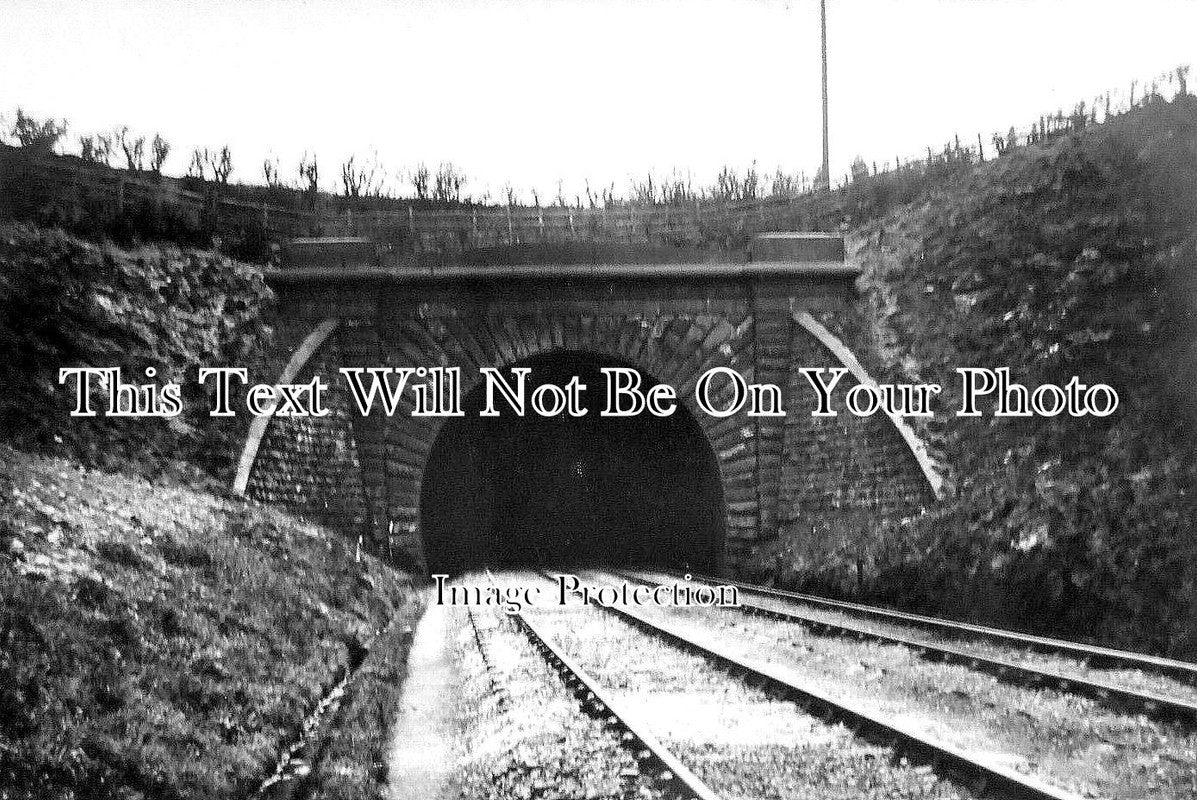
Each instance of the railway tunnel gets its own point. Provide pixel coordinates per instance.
(731, 494)
(530, 490)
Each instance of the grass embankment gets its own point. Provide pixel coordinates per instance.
(353, 758)
(161, 642)
(1072, 257)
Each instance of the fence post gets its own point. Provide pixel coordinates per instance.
(76, 197)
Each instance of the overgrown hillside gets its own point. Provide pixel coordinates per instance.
(65, 302)
(1077, 256)
(156, 640)
(161, 643)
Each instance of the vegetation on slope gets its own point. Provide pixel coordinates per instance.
(1072, 257)
(159, 642)
(354, 757)
(66, 303)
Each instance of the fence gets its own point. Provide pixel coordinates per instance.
(67, 189)
(70, 189)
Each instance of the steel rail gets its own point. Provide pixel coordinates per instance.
(670, 774)
(1093, 655)
(1117, 697)
(947, 761)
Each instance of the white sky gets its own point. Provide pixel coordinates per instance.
(532, 92)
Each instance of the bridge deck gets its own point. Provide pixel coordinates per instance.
(563, 272)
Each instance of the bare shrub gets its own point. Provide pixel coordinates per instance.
(96, 149)
(159, 150)
(270, 173)
(357, 181)
(199, 164)
(41, 136)
(449, 182)
(309, 177)
(420, 181)
(221, 164)
(133, 148)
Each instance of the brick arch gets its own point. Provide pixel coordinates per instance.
(671, 348)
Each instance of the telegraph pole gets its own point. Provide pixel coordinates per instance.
(826, 148)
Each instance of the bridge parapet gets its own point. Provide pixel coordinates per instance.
(769, 256)
(797, 248)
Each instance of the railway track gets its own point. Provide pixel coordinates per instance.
(1117, 697)
(975, 774)
(669, 775)
(1091, 655)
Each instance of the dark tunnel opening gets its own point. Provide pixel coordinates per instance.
(565, 491)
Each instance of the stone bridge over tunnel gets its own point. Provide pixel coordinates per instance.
(689, 490)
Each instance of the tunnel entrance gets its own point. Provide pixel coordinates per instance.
(563, 491)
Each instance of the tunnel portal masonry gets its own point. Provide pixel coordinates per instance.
(712, 478)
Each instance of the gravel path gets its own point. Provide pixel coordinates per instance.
(743, 743)
(501, 722)
(420, 752)
(1069, 741)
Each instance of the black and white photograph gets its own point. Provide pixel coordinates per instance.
(598, 400)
